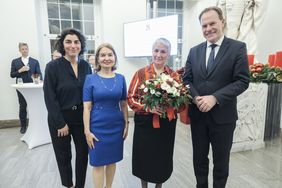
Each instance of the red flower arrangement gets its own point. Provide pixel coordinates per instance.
(264, 73)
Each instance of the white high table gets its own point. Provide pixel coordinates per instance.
(37, 132)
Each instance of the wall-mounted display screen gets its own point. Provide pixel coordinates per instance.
(139, 36)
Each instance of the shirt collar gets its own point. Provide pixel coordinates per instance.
(218, 43)
(152, 69)
(25, 58)
(78, 59)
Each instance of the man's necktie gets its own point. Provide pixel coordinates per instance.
(211, 57)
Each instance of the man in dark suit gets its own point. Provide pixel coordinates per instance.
(217, 72)
(24, 67)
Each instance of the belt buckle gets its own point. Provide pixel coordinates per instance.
(74, 107)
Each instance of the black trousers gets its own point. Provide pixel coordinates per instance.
(205, 132)
(62, 148)
(22, 110)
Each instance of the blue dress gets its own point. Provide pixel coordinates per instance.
(106, 118)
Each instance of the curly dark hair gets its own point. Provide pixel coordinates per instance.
(71, 31)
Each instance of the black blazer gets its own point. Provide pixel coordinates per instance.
(62, 89)
(17, 63)
(228, 78)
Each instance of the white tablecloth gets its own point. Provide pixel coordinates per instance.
(38, 132)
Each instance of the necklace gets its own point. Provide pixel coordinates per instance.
(105, 86)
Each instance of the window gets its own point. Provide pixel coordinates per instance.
(77, 14)
(167, 8)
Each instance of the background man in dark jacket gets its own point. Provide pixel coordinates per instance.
(24, 68)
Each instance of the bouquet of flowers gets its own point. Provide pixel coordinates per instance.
(263, 73)
(166, 91)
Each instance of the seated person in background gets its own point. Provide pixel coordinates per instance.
(91, 61)
(56, 55)
(24, 67)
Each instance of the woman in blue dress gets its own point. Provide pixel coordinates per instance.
(105, 115)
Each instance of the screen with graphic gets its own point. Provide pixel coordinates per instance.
(139, 36)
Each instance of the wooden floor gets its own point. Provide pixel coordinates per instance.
(36, 168)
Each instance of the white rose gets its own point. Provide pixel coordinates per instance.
(142, 86)
(152, 91)
(174, 91)
(165, 86)
(170, 79)
(170, 90)
(145, 90)
(164, 77)
(158, 93)
(176, 84)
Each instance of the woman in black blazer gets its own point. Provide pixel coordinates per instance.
(63, 83)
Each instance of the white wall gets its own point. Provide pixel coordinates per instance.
(192, 34)
(19, 22)
(114, 14)
(269, 34)
(269, 39)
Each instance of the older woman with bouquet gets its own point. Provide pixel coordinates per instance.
(155, 93)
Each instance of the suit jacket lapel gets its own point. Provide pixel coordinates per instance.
(202, 58)
(21, 62)
(222, 50)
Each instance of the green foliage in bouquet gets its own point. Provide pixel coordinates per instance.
(263, 73)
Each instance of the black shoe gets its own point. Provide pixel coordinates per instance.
(23, 130)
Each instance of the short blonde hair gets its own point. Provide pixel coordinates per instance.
(22, 44)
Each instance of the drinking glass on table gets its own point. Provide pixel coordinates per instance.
(35, 78)
(19, 81)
